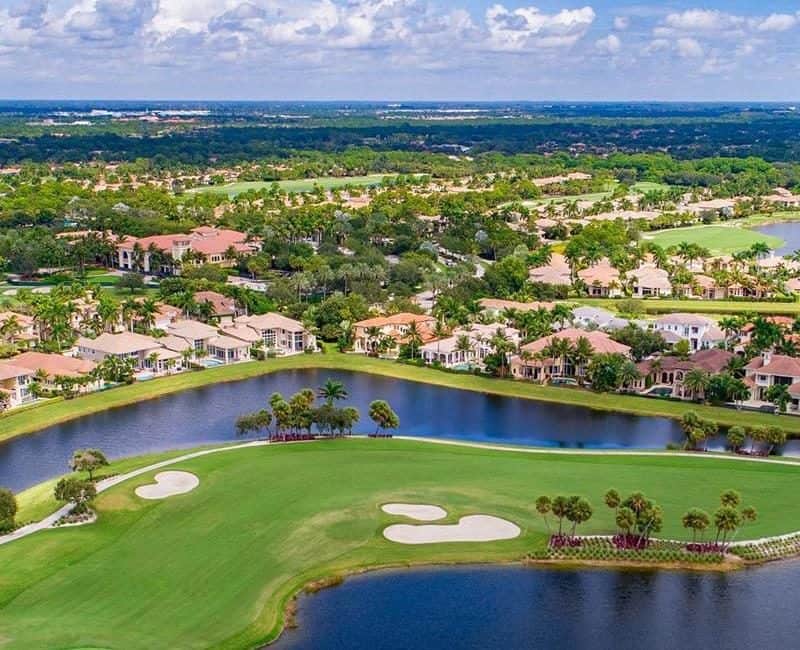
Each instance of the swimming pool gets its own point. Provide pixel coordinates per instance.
(210, 363)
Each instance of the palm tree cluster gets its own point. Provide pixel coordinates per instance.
(637, 518)
(575, 510)
(728, 519)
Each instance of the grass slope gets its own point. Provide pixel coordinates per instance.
(717, 239)
(213, 568)
(32, 419)
(301, 185)
(720, 307)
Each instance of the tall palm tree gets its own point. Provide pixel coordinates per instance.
(332, 390)
(696, 381)
(464, 347)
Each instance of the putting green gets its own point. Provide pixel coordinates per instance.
(214, 567)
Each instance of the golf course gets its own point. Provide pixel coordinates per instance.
(216, 566)
(299, 185)
(719, 240)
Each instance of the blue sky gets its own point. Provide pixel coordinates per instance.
(400, 49)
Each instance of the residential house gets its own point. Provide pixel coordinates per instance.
(530, 364)
(15, 383)
(195, 333)
(699, 331)
(18, 329)
(671, 371)
(494, 307)
(593, 318)
(707, 288)
(49, 367)
(649, 281)
(556, 272)
(224, 308)
(205, 244)
(771, 370)
(368, 334)
(602, 280)
(229, 349)
(446, 351)
(280, 334)
(124, 345)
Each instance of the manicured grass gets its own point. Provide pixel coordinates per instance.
(717, 239)
(213, 568)
(647, 186)
(710, 307)
(14, 424)
(302, 185)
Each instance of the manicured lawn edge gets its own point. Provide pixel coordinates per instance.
(14, 424)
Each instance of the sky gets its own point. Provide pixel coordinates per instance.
(601, 50)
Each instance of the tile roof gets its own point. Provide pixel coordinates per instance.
(601, 342)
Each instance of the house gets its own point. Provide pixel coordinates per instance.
(279, 334)
(556, 272)
(649, 280)
(591, 318)
(602, 280)
(224, 308)
(370, 333)
(721, 207)
(699, 331)
(15, 383)
(124, 345)
(228, 349)
(530, 364)
(446, 351)
(494, 307)
(49, 367)
(670, 371)
(771, 370)
(195, 333)
(707, 288)
(19, 329)
(206, 244)
(246, 283)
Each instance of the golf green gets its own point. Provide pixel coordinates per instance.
(215, 567)
(717, 239)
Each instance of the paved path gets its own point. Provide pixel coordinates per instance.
(105, 484)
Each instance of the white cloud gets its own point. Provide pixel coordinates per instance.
(527, 28)
(777, 23)
(689, 48)
(703, 20)
(621, 23)
(608, 45)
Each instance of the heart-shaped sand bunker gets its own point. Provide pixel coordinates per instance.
(168, 484)
(473, 528)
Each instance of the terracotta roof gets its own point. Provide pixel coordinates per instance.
(271, 321)
(223, 306)
(191, 329)
(10, 371)
(53, 364)
(243, 333)
(651, 277)
(684, 319)
(228, 343)
(123, 343)
(782, 365)
(602, 274)
(402, 318)
(601, 342)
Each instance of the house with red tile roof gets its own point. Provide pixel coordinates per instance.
(205, 244)
(602, 280)
(772, 370)
(534, 364)
(671, 371)
(390, 332)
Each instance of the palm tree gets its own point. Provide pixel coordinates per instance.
(373, 333)
(414, 338)
(696, 380)
(581, 354)
(543, 507)
(146, 311)
(696, 520)
(501, 345)
(152, 359)
(332, 390)
(628, 374)
(464, 347)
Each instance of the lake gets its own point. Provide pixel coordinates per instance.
(207, 415)
(514, 607)
(789, 232)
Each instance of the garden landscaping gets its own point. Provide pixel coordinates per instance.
(216, 567)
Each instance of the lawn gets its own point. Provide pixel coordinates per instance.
(302, 185)
(642, 187)
(710, 307)
(717, 239)
(214, 567)
(34, 418)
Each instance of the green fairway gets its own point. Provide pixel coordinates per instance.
(642, 187)
(717, 239)
(213, 568)
(301, 185)
(709, 307)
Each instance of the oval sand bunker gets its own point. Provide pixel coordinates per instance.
(168, 484)
(415, 511)
(474, 528)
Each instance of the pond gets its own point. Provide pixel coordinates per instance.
(207, 415)
(514, 607)
(789, 232)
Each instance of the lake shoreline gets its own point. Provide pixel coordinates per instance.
(33, 418)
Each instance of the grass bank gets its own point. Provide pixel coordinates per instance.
(56, 411)
(709, 307)
(216, 567)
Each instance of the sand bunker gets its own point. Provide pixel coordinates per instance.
(415, 511)
(168, 484)
(474, 528)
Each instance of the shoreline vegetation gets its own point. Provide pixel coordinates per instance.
(57, 411)
(769, 482)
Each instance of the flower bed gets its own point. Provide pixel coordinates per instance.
(608, 549)
(564, 541)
